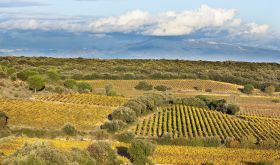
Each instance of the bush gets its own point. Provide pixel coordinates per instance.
(81, 157)
(36, 83)
(70, 83)
(3, 120)
(84, 87)
(232, 109)
(232, 143)
(264, 162)
(205, 142)
(143, 85)
(195, 102)
(37, 153)
(113, 126)
(162, 88)
(110, 91)
(248, 141)
(248, 89)
(140, 150)
(53, 76)
(207, 163)
(126, 137)
(102, 153)
(69, 129)
(125, 114)
(270, 90)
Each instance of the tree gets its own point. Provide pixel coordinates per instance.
(270, 90)
(103, 153)
(248, 89)
(125, 114)
(36, 83)
(140, 150)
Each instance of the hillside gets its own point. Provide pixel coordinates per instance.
(258, 74)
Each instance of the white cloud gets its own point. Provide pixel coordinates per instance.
(127, 22)
(258, 29)
(160, 24)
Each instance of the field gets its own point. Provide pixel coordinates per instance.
(126, 87)
(87, 99)
(189, 122)
(165, 154)
(182, 155)
(51, 115)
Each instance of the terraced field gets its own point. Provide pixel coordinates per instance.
(126, 87)
(53, 115)
(184, 121)
(88, 99)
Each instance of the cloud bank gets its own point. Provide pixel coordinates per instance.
(168, 23)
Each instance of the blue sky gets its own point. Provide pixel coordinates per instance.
(118, 28)
(259, 11)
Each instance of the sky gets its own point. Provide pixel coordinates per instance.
(259, 11)
(253, 23)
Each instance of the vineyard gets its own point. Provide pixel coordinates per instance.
(53, 115)
(189, 122)
(264, 110)
(164, 154)
(126, 87)
(88, 99)
(180, 155)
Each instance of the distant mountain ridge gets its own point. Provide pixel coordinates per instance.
(197, 46)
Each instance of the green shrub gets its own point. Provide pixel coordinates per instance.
(125, 114)
(39, 153)
(110, 91)
(113, 126)
(140, 150)
(84, 87)
(248, 141)
(264, 162)
(162, 88)
(126, 137)
(232, 109)
(53, 76)
(70, 83)
(270, 90)
(102, 153)
(248, 89)
(143, 85)
(69, 129)
(195, 102)
(36, 83)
